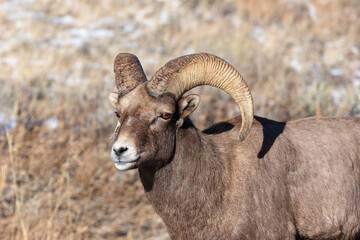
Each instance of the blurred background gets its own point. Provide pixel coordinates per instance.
(300, 58)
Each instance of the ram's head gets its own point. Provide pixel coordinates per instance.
(150, 112)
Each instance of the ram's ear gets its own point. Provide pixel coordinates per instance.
(114, 99)
(188, 104)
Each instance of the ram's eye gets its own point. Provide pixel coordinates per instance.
(165, 116)
(117, 114)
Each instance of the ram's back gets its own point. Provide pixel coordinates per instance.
(303, 173)
(324, 180)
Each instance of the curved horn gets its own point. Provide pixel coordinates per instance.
(128, 72)
(184, 73)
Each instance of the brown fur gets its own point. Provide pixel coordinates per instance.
(299, 179)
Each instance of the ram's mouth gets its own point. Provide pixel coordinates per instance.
(125, 162)
(123, 166)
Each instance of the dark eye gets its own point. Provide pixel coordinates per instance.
(165, 116)
(117, 114)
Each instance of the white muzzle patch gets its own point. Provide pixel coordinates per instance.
(124, 154)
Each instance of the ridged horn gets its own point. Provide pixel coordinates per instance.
(128, 72)
(184, 73)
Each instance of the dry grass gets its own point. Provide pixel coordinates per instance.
(300, 58)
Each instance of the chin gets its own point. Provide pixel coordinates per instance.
(123, 166)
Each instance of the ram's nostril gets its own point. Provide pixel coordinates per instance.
(123, 149)
(120, 150)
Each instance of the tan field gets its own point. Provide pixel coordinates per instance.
(300, 58)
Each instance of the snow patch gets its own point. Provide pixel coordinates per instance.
(91, 33)
(336, 72)
(354, 50)
(338, 94)
(67, 19)
(356, 84)
(258, 34)
(6, 124)
(52, 123)
(357, 73)
(296, 65)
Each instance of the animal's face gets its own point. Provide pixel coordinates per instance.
(146, 130)
(147, 127)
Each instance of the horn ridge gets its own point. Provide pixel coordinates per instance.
(184, 73)
(128, 72)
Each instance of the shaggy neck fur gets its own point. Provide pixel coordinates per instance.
(180, 191)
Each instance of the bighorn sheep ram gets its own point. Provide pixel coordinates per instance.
(245, 178)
